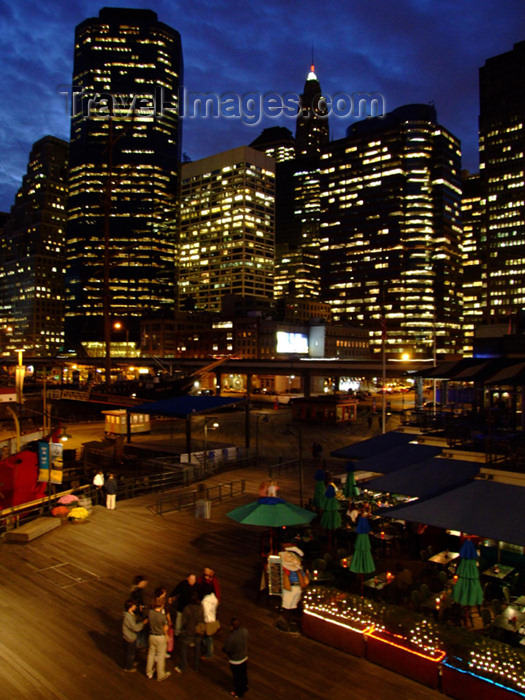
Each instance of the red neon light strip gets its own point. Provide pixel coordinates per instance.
(410, 651)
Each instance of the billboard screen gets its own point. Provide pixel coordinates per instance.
(296, 343)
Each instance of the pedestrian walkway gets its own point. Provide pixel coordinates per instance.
(62, 600)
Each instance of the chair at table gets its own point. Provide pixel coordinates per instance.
(513, 583)
(495, 606)
(424, 591)
(415, 598)
(506, 594)
(430, 550)
(424, 555)
(486, 619)
(443, 578)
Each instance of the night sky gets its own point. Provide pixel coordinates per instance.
(407, 50)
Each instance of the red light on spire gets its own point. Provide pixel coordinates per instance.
(312, 68)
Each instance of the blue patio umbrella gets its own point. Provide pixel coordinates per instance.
(319, 476)
(467, 590)
(362, 562)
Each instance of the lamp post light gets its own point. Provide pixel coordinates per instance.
(119, 326)
(214, 426)
(299, 437)
(265, 417)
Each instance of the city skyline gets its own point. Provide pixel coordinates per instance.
(410, 52)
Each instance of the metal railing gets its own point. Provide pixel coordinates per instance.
(12, 518)
(177, 501)
(282, 468)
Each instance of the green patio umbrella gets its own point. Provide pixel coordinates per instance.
(362, 562)
(350, 489)
(467, 590)
(271, 512)
(331, 518)
(319, 476)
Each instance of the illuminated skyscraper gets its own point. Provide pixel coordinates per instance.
(502, 172)
(277, 142)
(124, 171)
(391, 231)
(474, 285)
(32, 255)
(311, 131)
(227, 243)
(297, 267)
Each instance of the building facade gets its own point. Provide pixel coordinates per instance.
(32, 255)
(227, 232)
(312, 128)
(472, 247)
(297, 194)
(502, 173)
(391, 232)
(124, 172)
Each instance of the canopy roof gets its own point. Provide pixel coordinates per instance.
(483, 508)
(497, 370)
(182, 406)
(374, 446)
(398, 458)
(426, 478)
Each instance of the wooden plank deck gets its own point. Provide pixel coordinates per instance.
(62, 598)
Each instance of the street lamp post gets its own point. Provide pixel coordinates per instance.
(214, 426)
(258, 417)
(299, 437)
(119, 326)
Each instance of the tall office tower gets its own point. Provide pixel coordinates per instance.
(474, 273)
(124, 175)
(32, 255)
(227, 243)
(502, 171)
(391, 231)
(297, 266)
(296, 204)
(311, 131)
(277, 142)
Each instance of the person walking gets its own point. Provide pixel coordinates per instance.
(110, 488)
(131, 628)
(192, 617)
(158, 640)
(236, 649)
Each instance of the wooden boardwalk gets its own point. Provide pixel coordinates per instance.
(62, 598)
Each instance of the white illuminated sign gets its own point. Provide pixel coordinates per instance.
(292, 343)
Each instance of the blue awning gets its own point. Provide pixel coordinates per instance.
(398, 458)
(483, 508)
(182, 406)
(374, 446)
(426, 478)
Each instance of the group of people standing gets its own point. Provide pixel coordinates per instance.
(182, 621)
(106, 488)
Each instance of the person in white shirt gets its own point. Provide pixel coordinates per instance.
(98, 481)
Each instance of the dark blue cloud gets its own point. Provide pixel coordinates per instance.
(408, 50)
